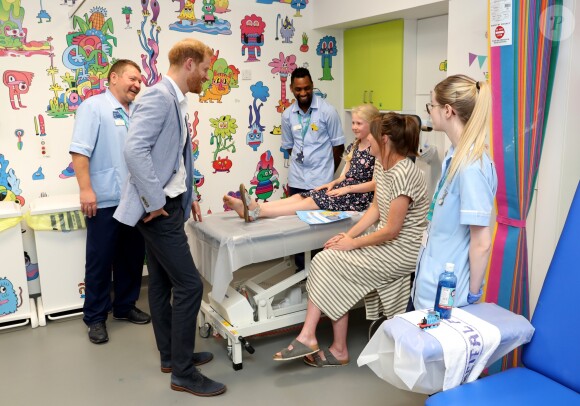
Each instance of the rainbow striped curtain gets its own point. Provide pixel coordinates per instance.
(521, 75)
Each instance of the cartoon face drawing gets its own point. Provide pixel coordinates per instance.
(8, 298)
(222, 165)
(18, 83)
(252, 28)
(254, 137)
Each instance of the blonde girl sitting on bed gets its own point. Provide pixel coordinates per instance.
(351, 191)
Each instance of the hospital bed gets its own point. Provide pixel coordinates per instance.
(224, 243)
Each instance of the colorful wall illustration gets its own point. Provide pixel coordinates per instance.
(208, 23)
(88, 56)
(283, 66)
(327, 50)
(150, 43)
(222, 78)
(9, 302)
(14, 39)
(59, 60)
(265, 178)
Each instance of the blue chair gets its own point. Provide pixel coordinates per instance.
(551, 375)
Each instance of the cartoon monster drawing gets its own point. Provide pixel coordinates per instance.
(287, 30)
(18, 83)
(13, 34)
(208, 10)
(222, 165)
(31, 269)
(8, 298)
(224, 129)
(298, 5)
(265, 179)
(283, 66)
(150, 44)
(221, 79)
(221, 6)
(277, 130)
(9, 184)
(254, 137)
(252, 28)
(327, 49)
(187, 14)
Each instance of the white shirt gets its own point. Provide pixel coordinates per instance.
(176, 184)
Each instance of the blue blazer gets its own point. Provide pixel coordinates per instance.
(152, 154)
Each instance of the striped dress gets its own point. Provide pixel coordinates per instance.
(380, 274)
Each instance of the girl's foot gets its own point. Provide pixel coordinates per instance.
(234, 204)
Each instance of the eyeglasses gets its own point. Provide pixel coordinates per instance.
(429, 107)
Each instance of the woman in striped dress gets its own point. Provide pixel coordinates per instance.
(376, 265)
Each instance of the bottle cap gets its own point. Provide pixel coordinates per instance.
(449, 267)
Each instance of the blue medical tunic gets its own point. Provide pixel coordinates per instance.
(467, 201)
(311, 136)
(99, 133)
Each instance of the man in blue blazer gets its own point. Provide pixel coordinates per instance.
(157, 199)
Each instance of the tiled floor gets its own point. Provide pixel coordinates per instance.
(57, 365)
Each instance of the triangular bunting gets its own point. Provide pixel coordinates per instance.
(471, 58)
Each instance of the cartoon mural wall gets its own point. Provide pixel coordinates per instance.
(50, 62)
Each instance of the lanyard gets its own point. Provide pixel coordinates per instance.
(439, 186)
(124, 116)
(306, 124)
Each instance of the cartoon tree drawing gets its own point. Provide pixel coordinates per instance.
(283, 66)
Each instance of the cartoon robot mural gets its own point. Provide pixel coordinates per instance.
(327, 50)
(287, 29)
(18, 83)
(252, 28)
(198, 178)
(254, 137)
(150, 44)
(88, 54)
(8, 298)
(265, 179)
(43, 14)
(284, 66)
(224, 129)
(9, 183)
(221, 79)
(208, 23)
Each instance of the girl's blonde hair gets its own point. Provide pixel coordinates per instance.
(471, 101)
(367, 112)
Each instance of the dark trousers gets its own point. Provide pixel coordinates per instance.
(171, 270)
(116, 247)
(299, 258)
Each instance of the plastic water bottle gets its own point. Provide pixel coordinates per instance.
(446, 291)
